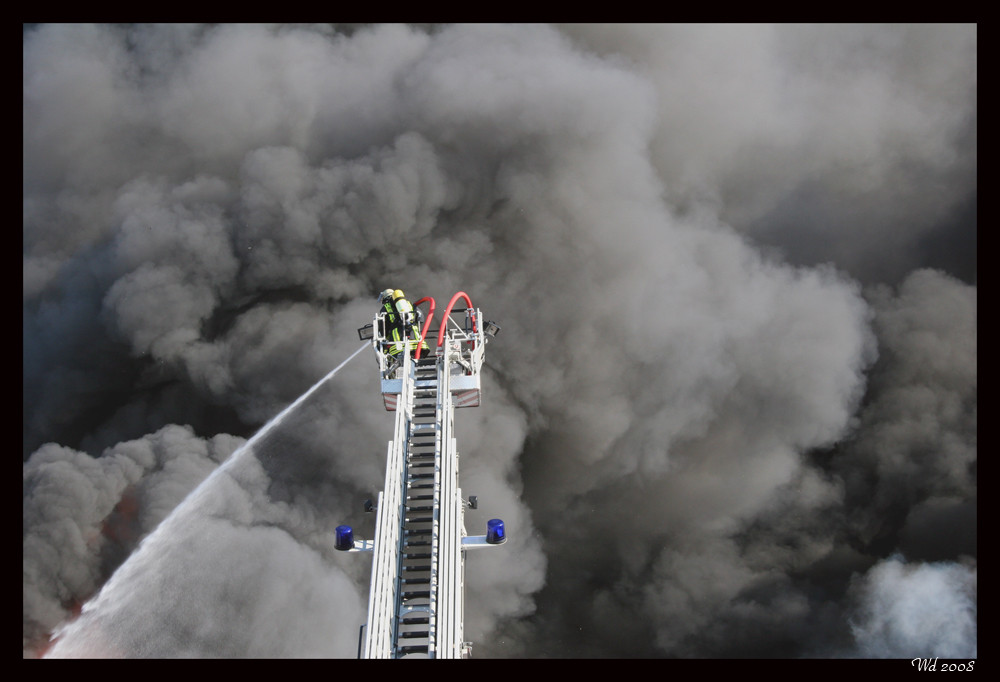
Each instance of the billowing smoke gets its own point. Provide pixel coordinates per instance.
(732, 410)
(931, 608)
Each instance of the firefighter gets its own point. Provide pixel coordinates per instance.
(400, 323)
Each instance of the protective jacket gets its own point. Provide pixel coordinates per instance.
(399, 317)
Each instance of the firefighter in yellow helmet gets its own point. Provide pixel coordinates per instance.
(401, 328)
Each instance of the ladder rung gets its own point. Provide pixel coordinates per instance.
(416, 608)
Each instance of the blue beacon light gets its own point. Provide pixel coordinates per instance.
(495, 533)
(345, 538)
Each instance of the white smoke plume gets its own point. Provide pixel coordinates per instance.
(735, 270)
(929, 608)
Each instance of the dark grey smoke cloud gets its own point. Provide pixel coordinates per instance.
(733, 406)
(847, 143)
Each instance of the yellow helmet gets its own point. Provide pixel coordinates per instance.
(398, 293)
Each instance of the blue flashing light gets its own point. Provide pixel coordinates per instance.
(345, 538)
(495, 533)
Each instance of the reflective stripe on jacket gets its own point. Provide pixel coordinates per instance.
(395, 313)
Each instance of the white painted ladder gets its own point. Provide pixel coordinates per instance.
(417, 593)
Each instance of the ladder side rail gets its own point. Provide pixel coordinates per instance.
(449, 634)
(382, 595)
(384, 591)
(475, 358)
(441, 616)
(403, 431)
(461, 646)
(373, 641)
(433, 626)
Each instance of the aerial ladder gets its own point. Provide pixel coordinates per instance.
(417, 593)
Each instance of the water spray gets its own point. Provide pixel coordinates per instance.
(111, 608)
(284, 413)
(267, 428)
